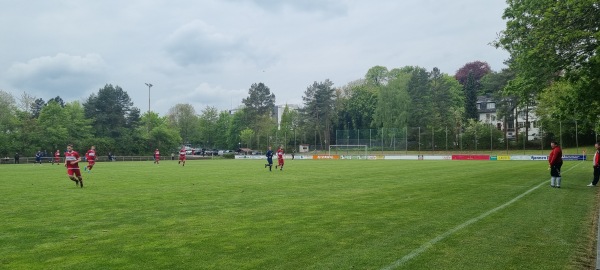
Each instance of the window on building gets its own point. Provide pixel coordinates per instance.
(491, 105)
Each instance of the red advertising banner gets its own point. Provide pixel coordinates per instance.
(470, 157)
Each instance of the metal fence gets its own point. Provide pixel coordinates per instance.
(480, 138)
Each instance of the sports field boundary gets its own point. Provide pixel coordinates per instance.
(598, 242)
(430, 243)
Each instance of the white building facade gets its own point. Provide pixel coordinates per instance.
(486, 106)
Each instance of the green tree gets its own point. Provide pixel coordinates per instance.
(393, 104)
(37, 107)
(246, 137)
(551, 41)
(8, 123)
(222, 125)
(377, 76)
(27, 136)
(289, 123)
(184, 117)
(494, 82)
(78, 127)
(470, 90)
(208, 126)
(109, 111)
(236, 125)
(58, 100)
(361, 105)
(318, 111)
(559, 103)
(419, 90)
(260, 100)
(53, 121)
(164, 138)
(448, 106)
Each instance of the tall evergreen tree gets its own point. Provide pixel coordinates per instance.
(37, 107)
(260, 100)
(109, 110)
(318, 111)
(420, 95)
(470, 90)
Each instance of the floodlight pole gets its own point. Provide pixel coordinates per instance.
(149, 86)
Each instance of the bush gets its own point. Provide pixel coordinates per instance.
(229, 156)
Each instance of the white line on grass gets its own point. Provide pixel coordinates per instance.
(441, 237)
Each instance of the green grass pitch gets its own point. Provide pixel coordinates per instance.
(345, 214)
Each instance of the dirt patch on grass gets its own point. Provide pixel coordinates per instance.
(585, 257)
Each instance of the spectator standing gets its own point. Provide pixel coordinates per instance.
(596, 165)
(555, 162)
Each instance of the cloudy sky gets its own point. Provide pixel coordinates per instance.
(209, 52)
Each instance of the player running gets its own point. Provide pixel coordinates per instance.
(72, 163)
(156, 156)
(182, 156)
(38, 157)
(90, 156)
(280, 158)
(56, 157)
(269, 159)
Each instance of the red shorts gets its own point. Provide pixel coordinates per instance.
(280, 161)
(181, 157)
(74, 170)
(91, 162)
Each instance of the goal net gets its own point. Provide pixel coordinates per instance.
(351, 150)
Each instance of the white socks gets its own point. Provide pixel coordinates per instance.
(555, 181)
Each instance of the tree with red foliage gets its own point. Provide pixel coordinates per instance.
(477, 68)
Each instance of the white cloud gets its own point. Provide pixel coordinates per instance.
(209, 52)
(205, 95)
(197, 43)
(323, 6)
(59, 75)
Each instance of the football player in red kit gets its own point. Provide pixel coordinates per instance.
(280, 158)
(72, 159)
(56, 158)
(182, 156)
(90, 156)
(156, 156)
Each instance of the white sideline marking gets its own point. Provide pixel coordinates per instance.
(441, 237)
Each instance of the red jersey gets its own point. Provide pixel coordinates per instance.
(555, 156)
(279, 153)
(182, 152)
(90, 155)
(70, 157)
(597, 158)
(57, 154)
(156, 153)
